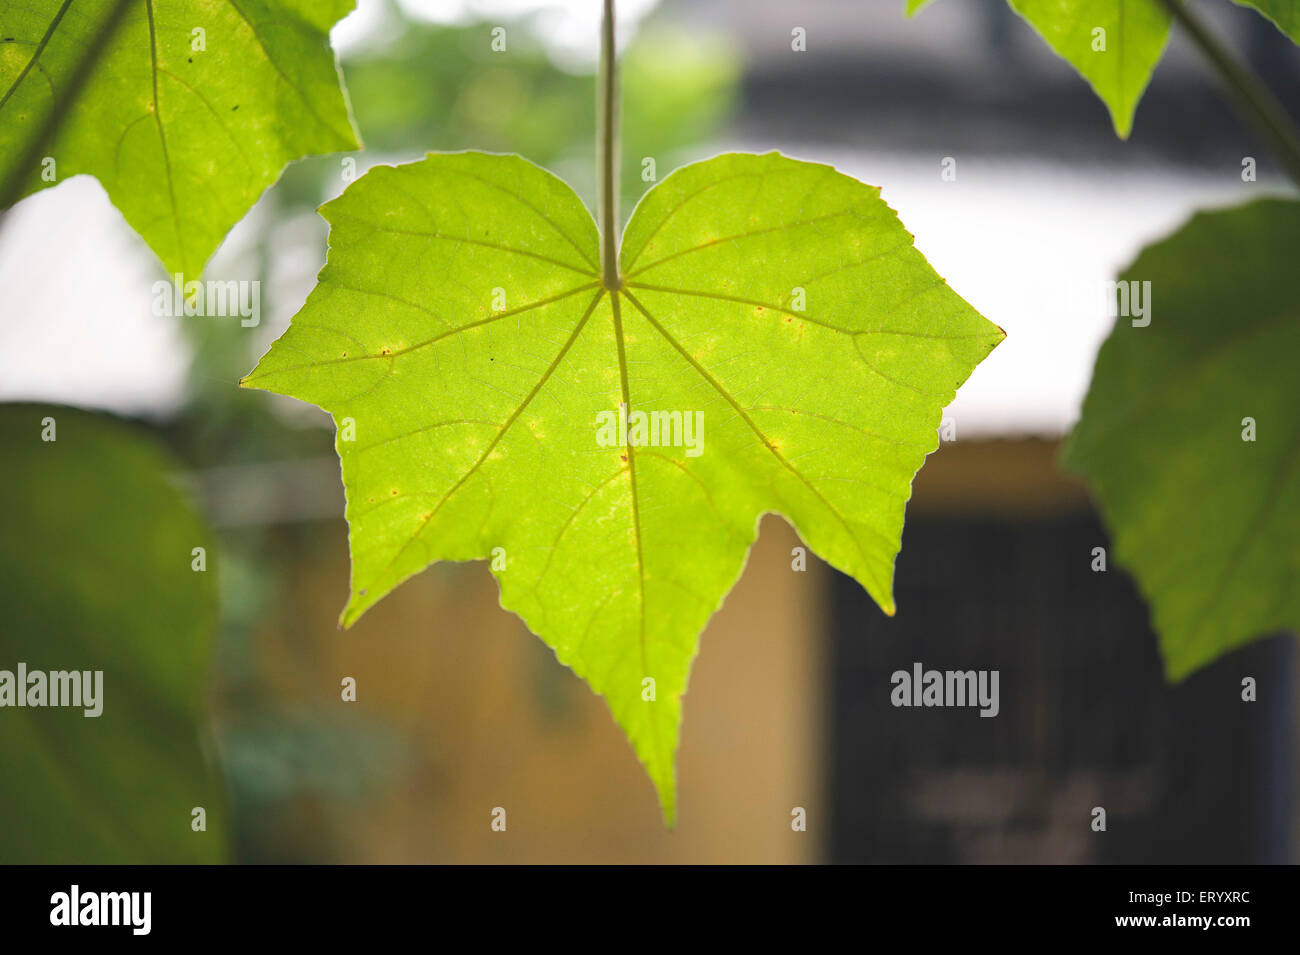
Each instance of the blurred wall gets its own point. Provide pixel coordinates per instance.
(485, 717)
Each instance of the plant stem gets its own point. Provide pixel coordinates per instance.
(607, 149)
(1256, 104)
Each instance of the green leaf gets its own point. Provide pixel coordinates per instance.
(183, 140)
(914, 6)
(1135, 35)
(1285, 14)
(97, 570)
(782, 301)
(1206, 521)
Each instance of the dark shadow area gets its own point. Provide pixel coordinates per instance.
(1187, 773)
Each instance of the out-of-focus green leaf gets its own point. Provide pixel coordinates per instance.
(184, 139)
(460, 336)
(96, 563)
(1207, 521)
(1118, 61)
(1113, 44)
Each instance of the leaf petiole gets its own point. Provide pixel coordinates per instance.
(607, 150)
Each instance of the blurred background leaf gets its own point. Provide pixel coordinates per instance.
(1206, 518)
(97, 568)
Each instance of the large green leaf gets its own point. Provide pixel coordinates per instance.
(96, 565)
(1285, 14)
(1135, 35)
(781, 300)
(183, 140)
(1206, 521)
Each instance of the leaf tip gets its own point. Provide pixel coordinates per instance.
(668, 805)
(351, 613)
(1176, 668)
(666, 790)
(1122, 121)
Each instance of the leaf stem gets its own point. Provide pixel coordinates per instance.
(607, 149)
(1255, 103)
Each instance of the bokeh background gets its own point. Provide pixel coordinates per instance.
(461, 710)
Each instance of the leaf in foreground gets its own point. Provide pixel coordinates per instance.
(96, 562)
(184, 140)
(1206, 521)
(1118, 62)
(775, 308)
